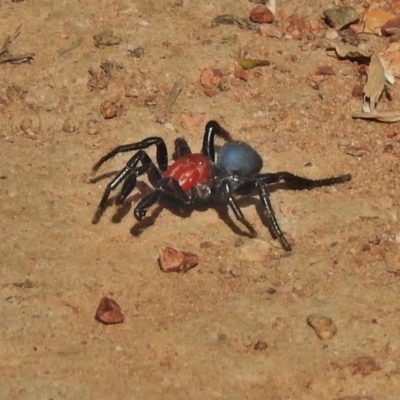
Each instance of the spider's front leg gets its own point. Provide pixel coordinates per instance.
(162, 153)
(128, 175)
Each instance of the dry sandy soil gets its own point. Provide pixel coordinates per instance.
(234, 327)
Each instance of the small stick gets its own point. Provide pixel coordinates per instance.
(9, 40)
(165, 112)
(76, 43)
(6, 56)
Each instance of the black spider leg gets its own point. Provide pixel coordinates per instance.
(294, 182)
(213, 129)
(227, 193)
(162, 153)
(166, 185)
(298, 182)
(128, 175)
(181, 148)
(272, 223)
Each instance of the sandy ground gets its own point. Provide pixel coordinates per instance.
(234, 327)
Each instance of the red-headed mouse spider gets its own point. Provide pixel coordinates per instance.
(204, 178)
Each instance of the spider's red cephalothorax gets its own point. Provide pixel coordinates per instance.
(190, 170)
(194, 179)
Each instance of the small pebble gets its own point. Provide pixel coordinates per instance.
(210, 92)
(340, 17)
(388, 148)
(391, 27)
(235, 272)
(364, 366)
(109, 312)
(131, 91)
(325, 70)
(172, 260)
(26, 126)
(270, 31)
(261, 15)
(350, 36)
(260, 345)
(210, 77)
(93, 127)
(241, 73)
(143, 22)
(323, 326)
(138, 52)
(69, 126)
(169, 126)
(110, 110)
(331, 34)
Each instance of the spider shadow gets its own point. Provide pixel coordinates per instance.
(169, 203)
(183, 211)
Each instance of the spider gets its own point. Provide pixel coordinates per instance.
(207, 177)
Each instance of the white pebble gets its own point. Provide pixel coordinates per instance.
(169, 126)
(331, 34)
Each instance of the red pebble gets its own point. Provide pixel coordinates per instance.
(172, 260)
(261, 15)
(109, 312)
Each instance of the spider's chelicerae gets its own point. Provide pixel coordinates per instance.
(195, 179)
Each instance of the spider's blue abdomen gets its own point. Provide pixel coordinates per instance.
(240, 158)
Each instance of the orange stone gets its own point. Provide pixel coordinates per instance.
(261, 15)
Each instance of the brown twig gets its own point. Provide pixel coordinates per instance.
(164, 113)
(6, 56)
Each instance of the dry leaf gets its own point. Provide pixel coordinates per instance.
(356, 151)
(390, 59)
(388, 116)
(250, 63)
(373, 21)
(375, 84)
